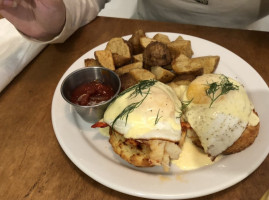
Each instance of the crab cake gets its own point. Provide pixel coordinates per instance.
(144, 153)
(145, 127)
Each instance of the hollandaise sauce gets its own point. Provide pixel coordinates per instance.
(192, 157)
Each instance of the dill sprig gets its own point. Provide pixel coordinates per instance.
(143, 89)
(224, 86)
(158, 117)
(184, 105)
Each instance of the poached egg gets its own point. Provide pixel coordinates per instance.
(147, 110)
(219, 112)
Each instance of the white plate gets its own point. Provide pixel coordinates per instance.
(91, 152)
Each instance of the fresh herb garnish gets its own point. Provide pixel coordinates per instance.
(143, 89)
(157, 118)
(184, 105)
(224, 86)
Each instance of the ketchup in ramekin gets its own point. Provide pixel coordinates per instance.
(91, 93)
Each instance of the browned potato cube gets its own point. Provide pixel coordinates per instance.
(90, 62)
(145, 41)
(104, 57)
(127, 80)
(127, 68)
(138, 58)
(179, 38)
(209, 63)
(135, 41)
(180, 47)
(120, 60)
(120, 51)
(162, 74)
(162, 38)
(183, 65)
(142, 74)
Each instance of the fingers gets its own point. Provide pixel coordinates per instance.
(9, 3)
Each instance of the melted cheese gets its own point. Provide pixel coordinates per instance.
(156, 117)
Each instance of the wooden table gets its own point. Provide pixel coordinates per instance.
(33, 165)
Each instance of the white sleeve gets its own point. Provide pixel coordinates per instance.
(78, 13)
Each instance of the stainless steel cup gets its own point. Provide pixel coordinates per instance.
(94, 113)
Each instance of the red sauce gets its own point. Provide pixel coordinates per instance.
(91, 93)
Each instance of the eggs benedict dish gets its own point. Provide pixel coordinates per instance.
(145, 127)
(221, 116)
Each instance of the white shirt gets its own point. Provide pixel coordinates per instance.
(220, 13)
(78, 13)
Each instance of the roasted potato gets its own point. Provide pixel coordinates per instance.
(180, 47)
(90, 62)
(179, 38)
(145, 41)
(182, 65)
(134, 41)
(162, 38)
(120, 51)
(138, 58)
(209, 63)
(142, 74)
(156, 54)
(104, 57)
(127, 68)
(127, 80)
(162, 74)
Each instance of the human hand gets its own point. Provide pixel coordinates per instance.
(9, 3)
(40, 19)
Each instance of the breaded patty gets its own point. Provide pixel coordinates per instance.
(245, 140)
(144, 153)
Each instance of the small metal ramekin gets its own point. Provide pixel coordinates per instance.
(91, 114)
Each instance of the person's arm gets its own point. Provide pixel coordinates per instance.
(49, 20)
(78, 13)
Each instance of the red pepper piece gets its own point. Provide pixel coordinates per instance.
(99, 125)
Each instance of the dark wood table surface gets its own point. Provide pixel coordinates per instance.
(32, 163)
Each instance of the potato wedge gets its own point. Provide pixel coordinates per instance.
(127, 68)
(162, 38)
(120, 60)
(142, 74)
(162, 74)
(209, 63)
(135, 41)
(104, 57)
(127, 80)
(183, 65)
(179, 38)
(138, 58)
(120, 51)
(145, 41)
(180, 47)
(90, 62)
